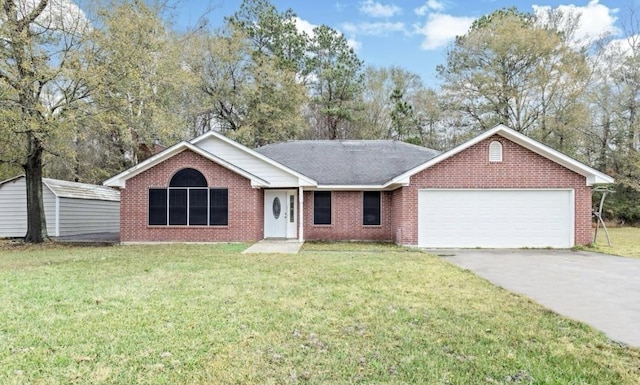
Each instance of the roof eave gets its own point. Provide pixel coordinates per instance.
(120, 179)
(591, 175)
(12, 179)
(53, 190)
(355, 187)
(308, 181)
(599, 179)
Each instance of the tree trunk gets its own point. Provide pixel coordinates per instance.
(36, 222)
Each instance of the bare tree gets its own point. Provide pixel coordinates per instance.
(41, 79)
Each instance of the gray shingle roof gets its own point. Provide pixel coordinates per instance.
(66, 189)
(349, 162)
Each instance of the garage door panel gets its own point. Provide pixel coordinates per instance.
(495, 218)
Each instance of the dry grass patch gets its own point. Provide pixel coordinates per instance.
(208, 314)
(625, 241)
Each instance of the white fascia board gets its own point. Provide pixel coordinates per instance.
(402, 178)
(120, 179)
(304, 182)
(594, 179)
(229, 166)
(53, 191)
(351, 188)
(256, 154)
(12, 179)
(592, 175)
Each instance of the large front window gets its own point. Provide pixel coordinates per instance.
(188, 201)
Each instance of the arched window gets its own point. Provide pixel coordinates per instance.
(188, 202)
(495, 152)
(188, 177)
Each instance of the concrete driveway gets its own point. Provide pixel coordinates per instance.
(600, 290)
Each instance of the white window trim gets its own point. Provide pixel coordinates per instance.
(495, 152)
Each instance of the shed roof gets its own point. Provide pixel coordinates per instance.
(349, 162)
(66, 189)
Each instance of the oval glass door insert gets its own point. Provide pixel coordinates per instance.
(276, 208)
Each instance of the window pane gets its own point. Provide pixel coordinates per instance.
(188, 177)
(198, 204)
(322, 207)
(157, 206)
(292, 206)
(178, 206)
(219, 211)
(371, 208)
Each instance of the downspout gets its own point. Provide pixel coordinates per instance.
(301, 214)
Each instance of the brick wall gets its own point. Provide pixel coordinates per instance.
(346, 219)
(245, 204)
(520, 168)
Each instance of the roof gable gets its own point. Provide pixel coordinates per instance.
(270, 169)
(120, 179)
(592, 175)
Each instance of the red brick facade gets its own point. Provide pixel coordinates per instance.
(346, 218)
(245, 204)
(520, 168)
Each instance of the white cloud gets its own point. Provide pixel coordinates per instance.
(61, 15)
(355, 44)
(619, 48)
(374, 29)
(304, 26)
(440, 29)
(307, 27)
(430, 5)
(374, 9)
(595, 19)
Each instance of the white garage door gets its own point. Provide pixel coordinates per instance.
(495, 218)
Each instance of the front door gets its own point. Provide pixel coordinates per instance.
(279, 214)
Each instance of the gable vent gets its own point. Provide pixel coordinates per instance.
(495, 152)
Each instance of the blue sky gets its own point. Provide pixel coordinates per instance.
(413, 34)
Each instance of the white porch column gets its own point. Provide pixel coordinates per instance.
(301, 214)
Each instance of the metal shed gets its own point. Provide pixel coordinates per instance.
(71, 208)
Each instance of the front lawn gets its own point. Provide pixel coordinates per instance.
(202, 314)
(625, 241)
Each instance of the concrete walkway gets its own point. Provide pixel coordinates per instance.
(275, 246)
(600, 290)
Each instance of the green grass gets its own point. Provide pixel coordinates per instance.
(625, 241)
(203, 314)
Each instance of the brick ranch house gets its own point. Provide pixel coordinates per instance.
(500, 189)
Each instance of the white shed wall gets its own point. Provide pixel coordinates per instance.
(13, 209)
(49, 201)
(84, 216)
(77, 216)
